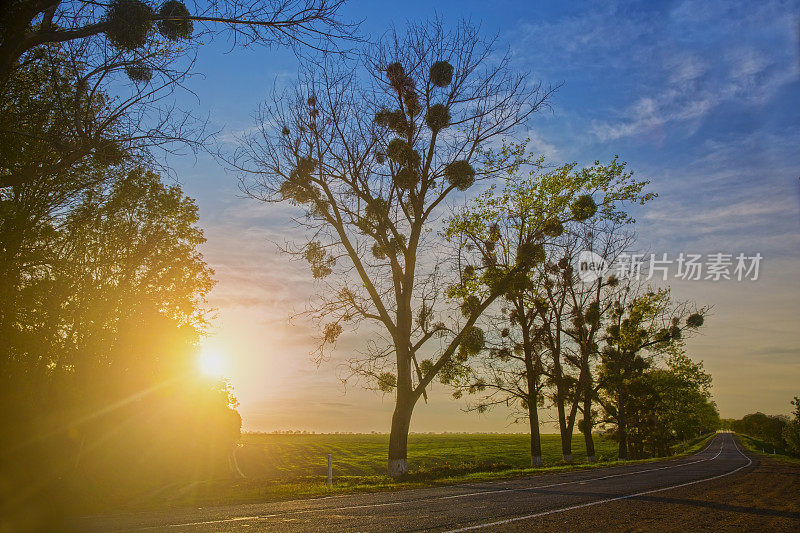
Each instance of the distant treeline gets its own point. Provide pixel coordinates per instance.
(780, 431)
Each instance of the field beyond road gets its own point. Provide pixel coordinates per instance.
(291, 466)
(293, 456)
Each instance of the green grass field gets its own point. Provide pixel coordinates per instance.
(280, 467)
(290, 457)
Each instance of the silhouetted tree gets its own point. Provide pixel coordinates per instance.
(63, 136)
(791, 433)
(132, 25)
(370, 153)
(494, 229)
(99, 386)
(640, 325)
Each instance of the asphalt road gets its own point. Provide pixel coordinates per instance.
(720, 488)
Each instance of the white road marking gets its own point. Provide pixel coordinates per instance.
(404, 502)
(607, 500)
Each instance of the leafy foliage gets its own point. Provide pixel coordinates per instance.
(387, 382)
(768, 428)
(669, 405)
(791, 433)
(646, 326)
(95, 250)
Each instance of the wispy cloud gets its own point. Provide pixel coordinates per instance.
(696, 95)
(744, 77)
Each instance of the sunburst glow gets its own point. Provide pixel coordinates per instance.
(212, 361)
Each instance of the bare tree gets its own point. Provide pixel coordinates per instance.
(370, 153)
(590, 299)
(132, 24)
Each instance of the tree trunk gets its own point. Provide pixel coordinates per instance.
(398, 437)
(536, 442)
(404, 402)
(566, 434)
(533, 386)
(622, 432)
(587, 427)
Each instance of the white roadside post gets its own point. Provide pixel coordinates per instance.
(330, 469)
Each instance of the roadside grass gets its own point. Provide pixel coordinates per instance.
(287, 457)
(764, 448)
(283, 467)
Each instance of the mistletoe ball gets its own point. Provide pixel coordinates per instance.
(406, 178)
(470, 306)
(460, 174)
(584, 207)
(139, 73)
(695, 320)
(441, 73)
(178, 26)
(438, 117)
(129, 22)
(530, 254)
(472, 342)
(553, 228)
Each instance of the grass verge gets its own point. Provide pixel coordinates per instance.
(763, 448)
(215, 493)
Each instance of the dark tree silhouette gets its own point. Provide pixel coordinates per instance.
(370, 152)
(130, 25)
(791, 433)
(551, 205)
(642, 323)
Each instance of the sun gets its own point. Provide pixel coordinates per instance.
(212, 361)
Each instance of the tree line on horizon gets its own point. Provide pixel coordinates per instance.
(779, 431)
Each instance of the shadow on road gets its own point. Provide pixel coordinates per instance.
(675, 501)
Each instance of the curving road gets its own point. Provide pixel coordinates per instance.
(719, 488)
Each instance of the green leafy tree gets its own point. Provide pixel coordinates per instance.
(640, 326)
(791, 433)
(99, 383)
(62, 136)
(669, 405)
(768, 428)
(501, 229)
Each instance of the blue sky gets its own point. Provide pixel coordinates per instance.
(701, 98)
